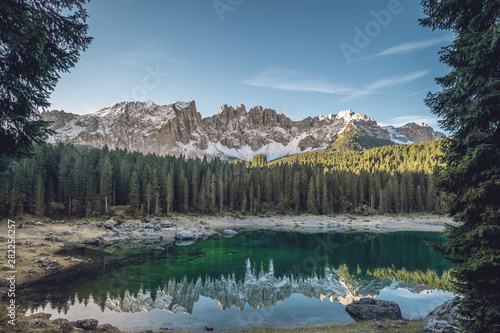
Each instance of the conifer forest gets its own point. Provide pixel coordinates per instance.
(67, 180)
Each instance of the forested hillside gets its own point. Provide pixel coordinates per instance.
(417, 157)
(356, 140)
(63, 180)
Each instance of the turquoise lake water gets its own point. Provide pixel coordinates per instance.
(253, 279)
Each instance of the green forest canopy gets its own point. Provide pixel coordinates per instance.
(64, 180)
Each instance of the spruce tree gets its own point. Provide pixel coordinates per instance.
(38, 40)
(134, 194)
(17, 195)
(251, 197)
(148, 196)
(469, 105)
(221, 190)
(39, 203)
(311, 198)
(296, 192)
(169, 192)
(325, 204)
(105, 187)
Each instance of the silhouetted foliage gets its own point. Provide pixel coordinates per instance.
(469, 106)
(38, 40)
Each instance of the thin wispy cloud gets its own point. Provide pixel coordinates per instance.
(294, 80)
(396, 80)
(386, 82)
(412, 46)
(413, 94)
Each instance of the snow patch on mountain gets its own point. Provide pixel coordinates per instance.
(179, 129)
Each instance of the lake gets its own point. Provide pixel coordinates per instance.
(252, 279)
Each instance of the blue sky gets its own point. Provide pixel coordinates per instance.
(302, 58)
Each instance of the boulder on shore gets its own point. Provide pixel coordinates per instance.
(186, 235)
(36, 323)
(96, 241)
(107, 328)
(110, 224)
(369, 308)
(443, 319)
(87, 324)
(229, 233)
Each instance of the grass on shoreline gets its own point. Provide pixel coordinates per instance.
(411, 326)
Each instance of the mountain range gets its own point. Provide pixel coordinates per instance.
(179, 129)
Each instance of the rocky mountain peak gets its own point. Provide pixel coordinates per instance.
(58, 118)
(178, 128)
(413, 132)
(230, 112)
(349, 115)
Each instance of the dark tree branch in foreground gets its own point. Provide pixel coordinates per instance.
(37, 42)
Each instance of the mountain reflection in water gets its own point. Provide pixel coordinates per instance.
(257, 290)
(249, 271)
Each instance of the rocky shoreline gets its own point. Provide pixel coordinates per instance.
(38, 241)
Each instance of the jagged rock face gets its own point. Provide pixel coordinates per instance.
(413, 132)
(178, 128)
(59, 118)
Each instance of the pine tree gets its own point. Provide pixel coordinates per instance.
(420, 201)
(469, 105)
(66, 182)
(18, 194)
(311, 198)
(38, 40)
(221, 190)
(134, 193)
(396, 199)
(325, 204)
(296, 192)
(202, 198)
(244, 202)
(39, 204)
(403, 193)
(431, 197)
(185, 203)
(212, 196)
(156, 193)
(169, 192)
(251, 197)
(105, 184)
(268, 188)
